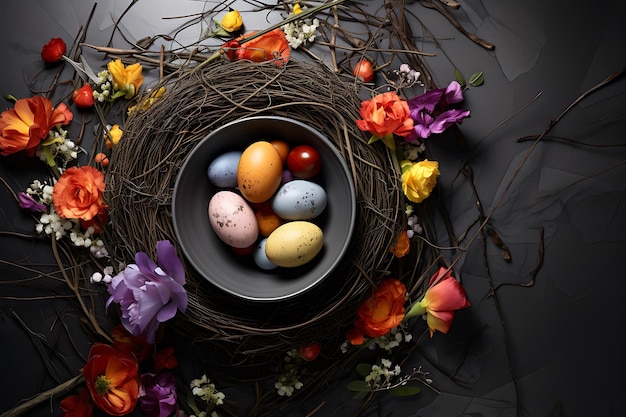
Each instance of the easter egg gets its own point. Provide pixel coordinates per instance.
(299, 200)
(222, 171)
(267, 219)
(259, 172)
(232, 219)
(294, 243)
(261, 259)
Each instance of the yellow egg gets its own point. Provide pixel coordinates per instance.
(294, 243)
(259, 172)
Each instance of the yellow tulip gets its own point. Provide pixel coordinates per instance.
(126, 79)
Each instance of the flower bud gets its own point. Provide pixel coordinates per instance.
(83, 97)
(232, 21)
(364, 70)
(53, 51)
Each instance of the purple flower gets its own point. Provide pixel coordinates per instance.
(26, 201)
(430, 112)
(149, 294)
(157, 395)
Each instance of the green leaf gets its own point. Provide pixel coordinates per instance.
(405, 391)
(359, 395)
(358, 386)
(364, 369)
(458, 76)
(477, 79)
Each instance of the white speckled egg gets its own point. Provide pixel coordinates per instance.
(261, 259)
(222, 170)
(232, 219)
(294, 243)
(299, 200)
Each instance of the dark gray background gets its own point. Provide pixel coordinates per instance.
(563, 338)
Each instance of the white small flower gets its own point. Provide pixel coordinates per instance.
(96, 277)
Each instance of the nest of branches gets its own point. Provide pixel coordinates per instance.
(156, 143)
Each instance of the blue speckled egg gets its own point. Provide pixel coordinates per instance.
(261, 259)
(299, 200)
(222, 170)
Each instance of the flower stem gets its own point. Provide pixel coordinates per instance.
(287, 20)
(44, 396)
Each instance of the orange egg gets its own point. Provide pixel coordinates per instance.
(267, 220)
(259, 172)
(283, 149)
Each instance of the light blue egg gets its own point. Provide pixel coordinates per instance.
(222, 170)
(299, 200)
(260, 258)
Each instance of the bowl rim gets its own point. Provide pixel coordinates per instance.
(352, 210)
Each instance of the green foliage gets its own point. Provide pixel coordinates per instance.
(405, 390)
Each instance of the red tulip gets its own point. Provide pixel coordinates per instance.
(54, 50)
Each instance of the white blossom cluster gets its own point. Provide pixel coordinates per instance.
(287, 381)
(393, 339)
(382, 375)
(58, 146)
(106, 276)
(104, 86)
(206, 390)
(301, 31)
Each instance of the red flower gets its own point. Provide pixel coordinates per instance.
(79, 193)
(165, 359)
(385, 114)
(54, 50)
(77, 405)
(25, 125)
(112, 379)
(83, 97)
(266, 47)
(380, 313)
(444, 296)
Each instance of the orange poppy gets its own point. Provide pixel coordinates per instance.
(25, 125)
(79, 193)
(112, 379)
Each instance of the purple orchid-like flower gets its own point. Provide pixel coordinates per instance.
(150, 294)
(430, 112)
(157, 395)
(26, 201)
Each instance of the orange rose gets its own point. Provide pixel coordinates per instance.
(25, 125)
(112, 379)
(381, 312)
(385, 114)
(270, 45)
(79, 193)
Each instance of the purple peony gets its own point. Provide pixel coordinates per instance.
(149, 294)
(430, 111)
(157, 395)
(26, 201)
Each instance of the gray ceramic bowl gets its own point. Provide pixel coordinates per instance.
(239, 275)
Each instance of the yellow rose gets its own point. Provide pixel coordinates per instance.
(419, 180)
(232, 21)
